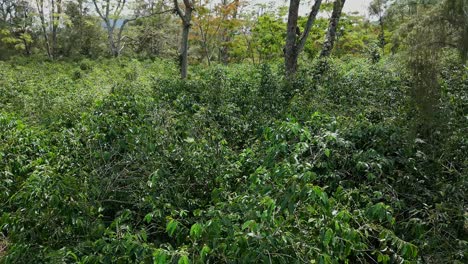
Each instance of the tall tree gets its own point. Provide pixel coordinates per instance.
(295, 40)
(230, 9)
(42, 16)
(332, 26)
(111, 13)
(50, 14)
(456, 12)
(56, 6)
(186, 17)
(82, 33)
(209, 24)
(377, 8)
(16, 20)
(156, 36)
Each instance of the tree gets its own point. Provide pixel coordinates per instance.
(82, 32)
(111, 14)
(230, 10)
(377, 8)
(268, 36)
(186, 17)
(50, 23)
(156, 36)
(295, 40)
(208, 22)
(332, 26)
(456, 12)
(16, 20)
(110, 11)
(437, 29)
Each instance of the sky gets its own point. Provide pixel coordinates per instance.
(350, 5)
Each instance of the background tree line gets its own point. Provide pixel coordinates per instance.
(208, 31)
(218, 31)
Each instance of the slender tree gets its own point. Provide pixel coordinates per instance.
(332, 26)
(110, 11)
(230, 9)
(110, 14)
(56, 6)
(377, 8)
(295, 40)
(186, 17)
(50, 14)
(42, 16)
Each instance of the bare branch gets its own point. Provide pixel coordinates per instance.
(178, 11)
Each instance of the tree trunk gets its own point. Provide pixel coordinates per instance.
(110, 39)
(186, 17)
(40, 9)
(295, 41)
(55, 20)
(331, 33)
(290, 49)
(382, 34)
(104, 11)
(184, 51)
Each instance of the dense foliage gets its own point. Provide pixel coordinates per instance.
(118, 162)
(259, 153)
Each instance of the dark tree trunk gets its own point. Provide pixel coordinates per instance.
(184, 46)
(290, 49)
(295, 41)
(186, 18)
(332, 26)
(382, 34)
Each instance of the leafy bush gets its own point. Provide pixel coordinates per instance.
(118, 162)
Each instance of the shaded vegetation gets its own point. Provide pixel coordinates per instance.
(117, 162)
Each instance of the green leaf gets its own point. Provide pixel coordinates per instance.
(204, 252)
(195, 231)
(159, 257)
(171, 227)
(249, 224)
(327, 237)
(148, 218)
(144, 235)
(327, 153)
(383, 258)
(183, 260)
(189, 140)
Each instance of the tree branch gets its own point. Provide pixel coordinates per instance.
(178, 11)
(98, 10)
(308, 27)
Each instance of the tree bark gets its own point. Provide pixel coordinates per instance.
(382, 33)
(104, 12)
(295, 41)
(40, 9)
(186, 17)
(331, 33)
(290, 49)
(56, 14)
(184, 46)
